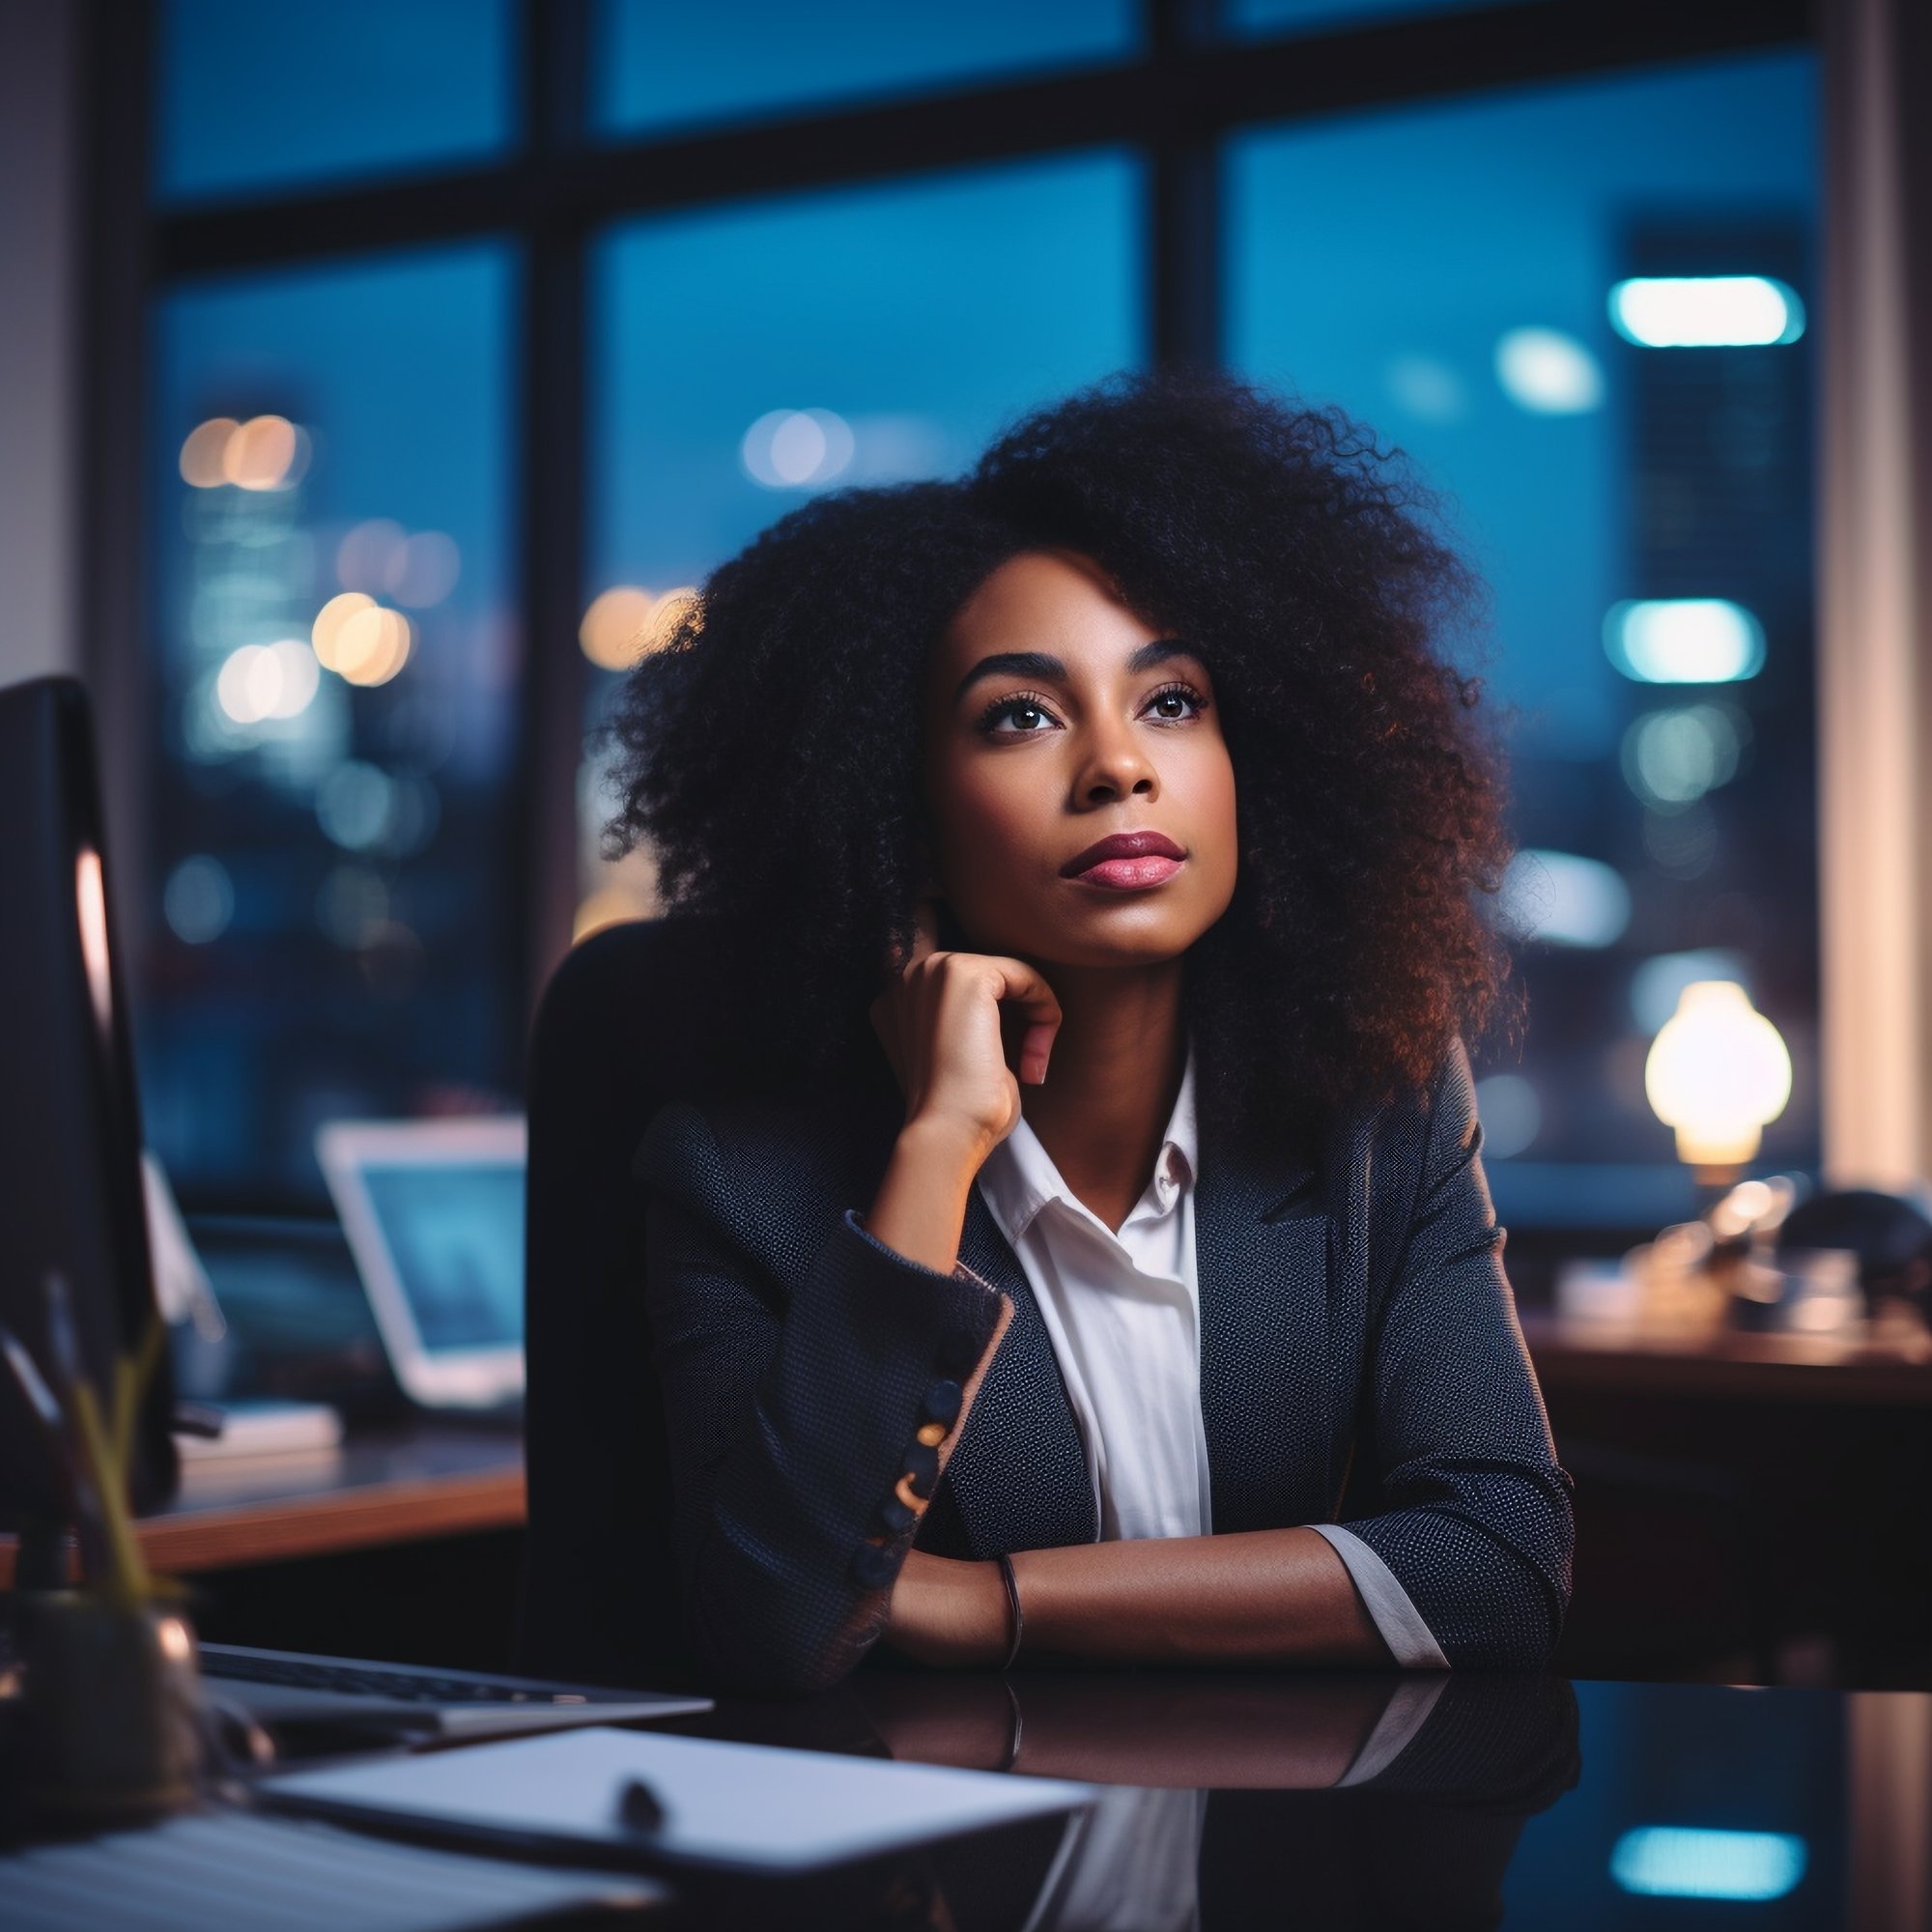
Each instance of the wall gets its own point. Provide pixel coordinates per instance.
(39, 334)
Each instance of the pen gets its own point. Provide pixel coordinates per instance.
(637, 1807)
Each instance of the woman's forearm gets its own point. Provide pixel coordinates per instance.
(1268, 1596)
(920, 1207)
(1256, 1596)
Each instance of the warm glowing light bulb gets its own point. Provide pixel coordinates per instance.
(1716, 1072)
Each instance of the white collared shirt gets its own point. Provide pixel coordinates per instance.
(1123, 1313)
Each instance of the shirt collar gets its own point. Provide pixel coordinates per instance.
(1018, 1177)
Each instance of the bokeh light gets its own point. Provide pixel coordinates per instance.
(198, 901)
(201, 453)
(351, 805)
(1511, 1113)
(372, 646)
(1706, 311)
(1566, 901)
(1683, 641)
(264, 453)
(263, 681)
(326, 629)
(1549, 373)
(794, 449)
(612, 630)
(1672, 759)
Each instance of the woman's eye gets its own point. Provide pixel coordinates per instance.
(1024, 708)
(1178, 695)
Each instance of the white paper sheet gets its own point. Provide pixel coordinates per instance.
(742, 1807)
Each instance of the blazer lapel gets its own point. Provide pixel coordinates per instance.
(1262, 1235)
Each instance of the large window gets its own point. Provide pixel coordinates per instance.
(335, 663)
(1447, 273)
(477, 329)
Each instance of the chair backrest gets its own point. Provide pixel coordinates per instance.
(624, 1026)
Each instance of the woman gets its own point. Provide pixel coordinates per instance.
(1141, 1300)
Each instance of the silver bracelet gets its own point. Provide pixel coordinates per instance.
(1018, 1616)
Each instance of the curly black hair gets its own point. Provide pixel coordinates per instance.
(769, 751)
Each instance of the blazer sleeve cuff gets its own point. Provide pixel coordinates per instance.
(1483, 1601)
(1410, 1641)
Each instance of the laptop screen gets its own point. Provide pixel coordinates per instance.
(456, 1235)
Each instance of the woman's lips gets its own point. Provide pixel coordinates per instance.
(1131, 875)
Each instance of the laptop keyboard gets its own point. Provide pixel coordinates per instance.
(350, 1678)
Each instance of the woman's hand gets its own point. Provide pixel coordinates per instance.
(948, 1613)
(938, 1019)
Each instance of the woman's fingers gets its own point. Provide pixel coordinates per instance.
(940, 1019)
(1029, 994)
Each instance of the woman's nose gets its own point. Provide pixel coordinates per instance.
(1117, 766)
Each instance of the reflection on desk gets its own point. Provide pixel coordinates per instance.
(1370, 1801)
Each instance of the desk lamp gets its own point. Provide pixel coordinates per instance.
(1717, 1071)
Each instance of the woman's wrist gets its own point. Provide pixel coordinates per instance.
(921, 1205)
(945, 1144)
(949, 1611)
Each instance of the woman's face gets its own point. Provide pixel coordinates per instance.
(1054, 719)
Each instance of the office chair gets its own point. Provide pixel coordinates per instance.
(624, 1026)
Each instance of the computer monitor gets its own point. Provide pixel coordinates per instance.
(70, 1199)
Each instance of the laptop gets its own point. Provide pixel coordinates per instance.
(433, 1211)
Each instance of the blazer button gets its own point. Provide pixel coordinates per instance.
(942, 1403)
(898, 1516)
(872, 1568)
(958, 1355)
(921, 1469)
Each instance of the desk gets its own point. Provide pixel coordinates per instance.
(1741, 1499)
(1726, 1363)
(385, 1485)
(1374, 1801)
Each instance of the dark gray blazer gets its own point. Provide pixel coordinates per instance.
(1360, 1362)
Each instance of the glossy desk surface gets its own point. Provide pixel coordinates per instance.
(1458, 1799)
(1371, 1801)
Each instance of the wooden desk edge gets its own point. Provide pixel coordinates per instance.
(272, 1530)
(1568, 1357)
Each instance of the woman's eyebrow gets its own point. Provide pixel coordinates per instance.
(1045, 664)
